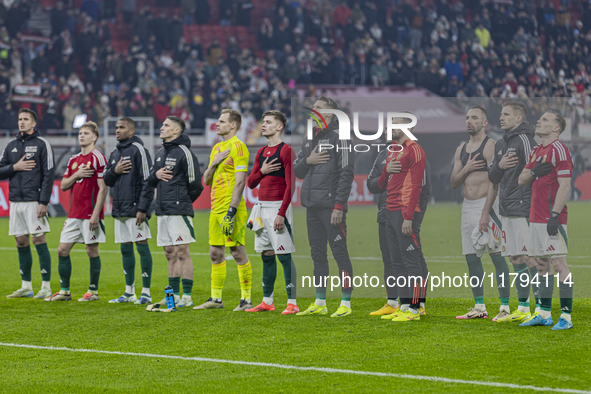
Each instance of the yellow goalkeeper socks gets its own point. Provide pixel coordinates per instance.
(218, 276)
(245, 276)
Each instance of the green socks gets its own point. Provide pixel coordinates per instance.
(522, 291)
(545, 292)
(475, 270)
(25, 262)
(566, 297)
(44, 261)
(128, 264)
(269, 275)
(64, 268)
(95, 272)
(175, 283)
(534, 287)
(502, 271)
(289, 274)
(187, 286)
(146, 264)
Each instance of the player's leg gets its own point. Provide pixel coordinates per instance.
(546, 286)
(185, 263)
(37, 227)
(174, 270)
(146, 266)
(317, 238)
(125, 239)
(470, 217)
(40, 243)
(565, 290)
(218, 277)
(410, 249)
(92, 250)
(417, 221)
(503, 283)
(391, 305)
(290, 276)
(337, 239)
(244, 276)
(25, 262)
(398, 269)
(269, 277)
(64, 269)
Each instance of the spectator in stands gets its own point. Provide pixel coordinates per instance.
(483, 35)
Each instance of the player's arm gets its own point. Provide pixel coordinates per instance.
(147, 193)
(158, 171)
(493, 190)
(100, 201)
(287, 157)
(6, 167)
(495, 173)
(214, 163)
(193, 177)
(562, 194)
(374, 175)
(255, 175)
(110, 176)
(70, 178)
(47, 174)
(300, 167)
(525, 178)
(417, 172)
(240, 182)
(346, 169)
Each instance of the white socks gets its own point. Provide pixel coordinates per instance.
(129, 289)
(46, 285)
(346, 303)
(146, 291)
(320, 302)
(27, 285)
(292, 301)
(393, 303)
(268, 300)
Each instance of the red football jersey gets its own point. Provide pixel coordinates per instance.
(544, 188)
(277, 186)
(404, 188)
(85, 190)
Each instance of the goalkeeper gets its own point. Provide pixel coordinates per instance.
(227, 220)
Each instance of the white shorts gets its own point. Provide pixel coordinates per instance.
(175, 230)
(78, 231)
(266, 238)
(545, 246)
(471, 213)
(127, 231)
(515, 236)
(23, 220)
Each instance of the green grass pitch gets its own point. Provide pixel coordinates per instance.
(438, 346)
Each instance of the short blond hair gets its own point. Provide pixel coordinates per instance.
(92, 126)
(234, 117)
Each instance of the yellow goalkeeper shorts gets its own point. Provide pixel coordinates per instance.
(238, 236)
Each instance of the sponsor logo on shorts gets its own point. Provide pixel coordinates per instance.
(338, 238)
(524, 249)
(93, 238)
(38, 228)
(550, 249)
(179, 239)
(281, 248)
(410, 248)
(139, 235)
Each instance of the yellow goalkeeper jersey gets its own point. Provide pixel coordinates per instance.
(223, 182)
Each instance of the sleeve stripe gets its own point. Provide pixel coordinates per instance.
(561, 152)
(145, 168)
(49, 153)
(190, 165)
(345, 154)
(526, 144)
(100, 157)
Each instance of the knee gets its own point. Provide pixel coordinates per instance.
(170, 255)
(22, 241)
(182, 256)
(38, 240)
(62, 252)
(92, 251)
(216, 256)
(268, 253)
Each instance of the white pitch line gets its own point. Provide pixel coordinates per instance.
(317, 369)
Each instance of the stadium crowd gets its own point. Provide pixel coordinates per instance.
(455, 49)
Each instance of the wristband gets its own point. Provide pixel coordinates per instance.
(338, 207)
(232, 211)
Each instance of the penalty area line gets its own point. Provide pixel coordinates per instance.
(299, 368)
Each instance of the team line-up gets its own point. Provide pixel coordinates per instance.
(515, 194)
